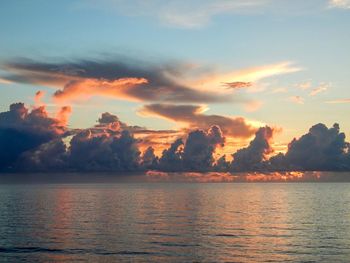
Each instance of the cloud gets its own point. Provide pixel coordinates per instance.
(252, 157)
(5, 81)
(244, 78)
(22, 130)
(48, 157)
(321, 149)
(199, 148)
(296, 99)
(279, 90)
(338, 101)
(345, 4)
(322, 88)
(304, 85)
(178, 13)
(196, 154)
(149, 160)
(253, 105)
(33, 141)
(103, 152)
(238, 85)
(208, 177)
(171, 159)
(194, 117)
(38, 98)
(194, 14)
(120, 78)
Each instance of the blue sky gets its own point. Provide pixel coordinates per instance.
(225, 36)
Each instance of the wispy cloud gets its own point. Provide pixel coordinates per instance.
(192, 14)
(244, 78)
(304, 85)
(178, 13)
(5, 81)
(296, 99)
(279, 90)
(253, 105)
(340, 4)
(321, 88)
(338, 101)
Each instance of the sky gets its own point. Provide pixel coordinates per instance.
(180, 65)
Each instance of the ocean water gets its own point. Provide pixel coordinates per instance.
(175, 222)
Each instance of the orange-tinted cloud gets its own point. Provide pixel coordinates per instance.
(85, 89)
(321, 88)
(38, 98)
(194, 117)
(63, 114)
(216, 177)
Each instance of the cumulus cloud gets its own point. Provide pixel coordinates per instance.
(50, 156)
(199, 148)
(120, 78)
(22, 129)
(321, 148)
(33, 141)
(252, 158)
(196, 154)
(171, 159)
(194, 117)
(103, 152)
(149, 159)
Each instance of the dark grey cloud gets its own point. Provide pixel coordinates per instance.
(196, 154)
(253, 157)
(51, 156)
(321, 149)
(149, 159)
(199, 148)
(104, 152)
(22, 130)
(171, 159)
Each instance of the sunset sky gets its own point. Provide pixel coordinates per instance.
(170, 65)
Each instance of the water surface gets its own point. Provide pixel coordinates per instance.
(175, 222)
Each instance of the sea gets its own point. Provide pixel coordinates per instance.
(175, 222)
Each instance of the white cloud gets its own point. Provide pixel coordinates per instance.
(197, 13)
(340, 3)
(178, 13)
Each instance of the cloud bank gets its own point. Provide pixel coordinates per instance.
(33, 141)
